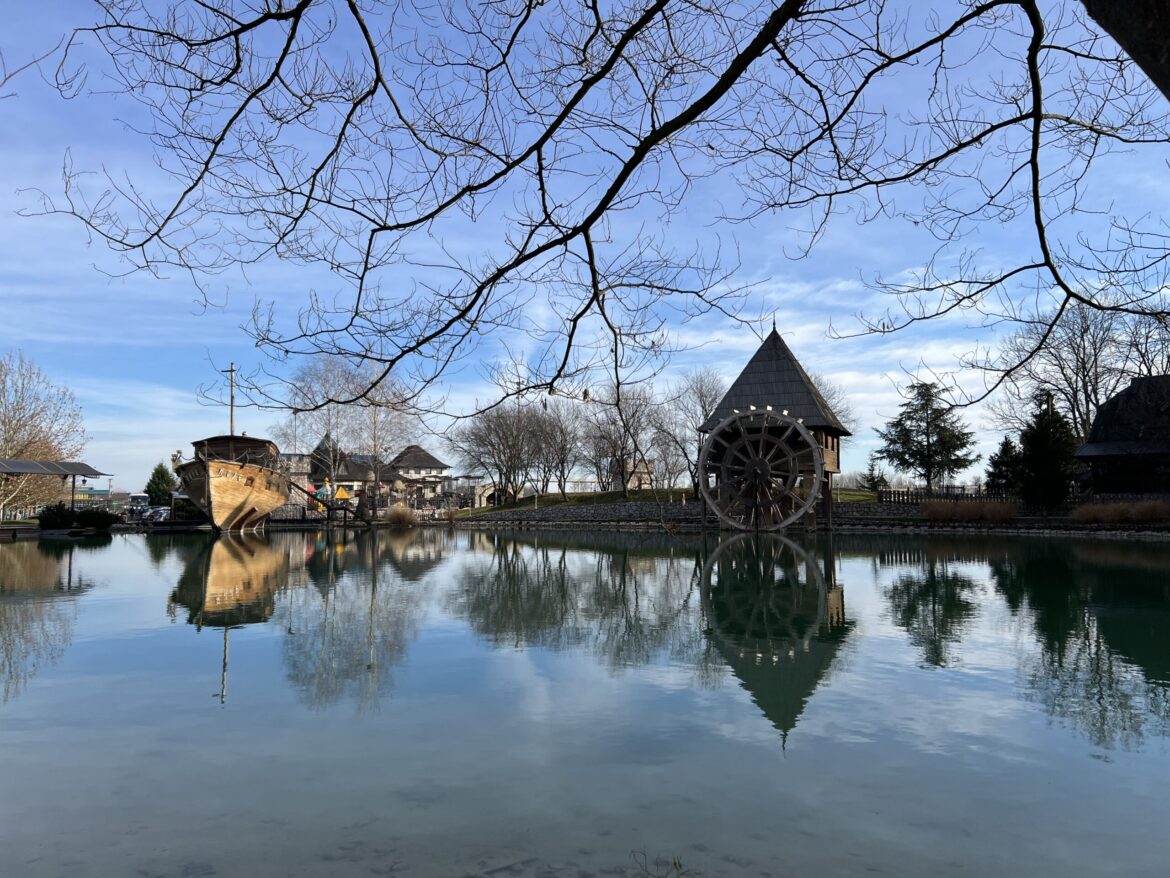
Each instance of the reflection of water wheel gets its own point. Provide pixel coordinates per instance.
(764, 594)
(760, 470)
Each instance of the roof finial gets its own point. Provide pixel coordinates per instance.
(773, 321)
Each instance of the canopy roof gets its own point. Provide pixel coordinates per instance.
(10, 467)
(774, 377)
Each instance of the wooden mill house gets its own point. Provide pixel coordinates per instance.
(774, 377)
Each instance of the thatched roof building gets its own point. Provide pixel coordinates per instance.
(1128, 448)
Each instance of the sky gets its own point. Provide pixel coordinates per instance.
(136, 350)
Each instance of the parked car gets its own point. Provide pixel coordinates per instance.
(157, 513)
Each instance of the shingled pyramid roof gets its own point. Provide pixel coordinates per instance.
(417, 457)
(774, 377)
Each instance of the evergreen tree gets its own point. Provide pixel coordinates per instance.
(160, 484)
(927, 438)
(873, 479)
(1005, 468)
(1047, 445)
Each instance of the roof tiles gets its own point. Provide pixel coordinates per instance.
(774, 377)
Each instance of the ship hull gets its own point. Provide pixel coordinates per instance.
(235, 496)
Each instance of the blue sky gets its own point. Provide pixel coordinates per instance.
(135, 350)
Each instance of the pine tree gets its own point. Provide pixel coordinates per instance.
(1005, 468)
(160, 484)
(873, 479)
(927, 438)
(1047, 445)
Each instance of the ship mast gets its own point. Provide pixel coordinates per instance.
(230, 371)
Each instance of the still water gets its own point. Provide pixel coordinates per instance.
(522, 705)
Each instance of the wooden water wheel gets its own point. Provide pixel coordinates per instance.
(760, 470)
(764, 594)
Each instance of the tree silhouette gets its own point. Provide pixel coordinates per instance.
(1005, 468)
(160, 484)
(317, 132)
(1047, 445)
(927, 438)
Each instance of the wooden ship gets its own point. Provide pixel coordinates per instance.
(236, 481)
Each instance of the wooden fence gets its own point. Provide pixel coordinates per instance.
(914, 496)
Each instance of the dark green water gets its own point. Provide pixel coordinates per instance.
(490, 705)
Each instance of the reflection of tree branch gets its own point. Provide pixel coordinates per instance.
(1104, 697)
(38, 609)
(627, 608)
(345, 637)
(1077, 675)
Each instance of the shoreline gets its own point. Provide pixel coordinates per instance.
(650, 519)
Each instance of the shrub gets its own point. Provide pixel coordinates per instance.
(400, 516)
(55, 517)
(99, 519)
(986, 511)
(61, 517)
(1144, 511)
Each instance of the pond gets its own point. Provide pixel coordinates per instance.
(493, 704)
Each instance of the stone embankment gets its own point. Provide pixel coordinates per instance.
(639, 514)
(848, 517)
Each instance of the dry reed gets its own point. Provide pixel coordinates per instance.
(1145, 512)
(400, 516)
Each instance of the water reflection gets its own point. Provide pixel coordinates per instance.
(233, 581)
(344, 607)
(777, 618)
(1100, 614)
(627, 604)
(1097, 657)
(762, 608)
(934, 606)
(38, 610)
(343, 637)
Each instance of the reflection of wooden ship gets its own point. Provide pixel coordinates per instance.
(235, 480)
(776, 619)
(233, 582)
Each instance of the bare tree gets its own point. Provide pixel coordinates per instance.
(371, 139)
(501, 442)
(618, 436)
(1092, 357)
(38, 421)
(320, 421)
(559, 437)
(680, 412)
(1147, 346)
(671, 464)
(597, 455)
(837, 398)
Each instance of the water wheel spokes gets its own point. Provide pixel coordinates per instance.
(760, 470)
